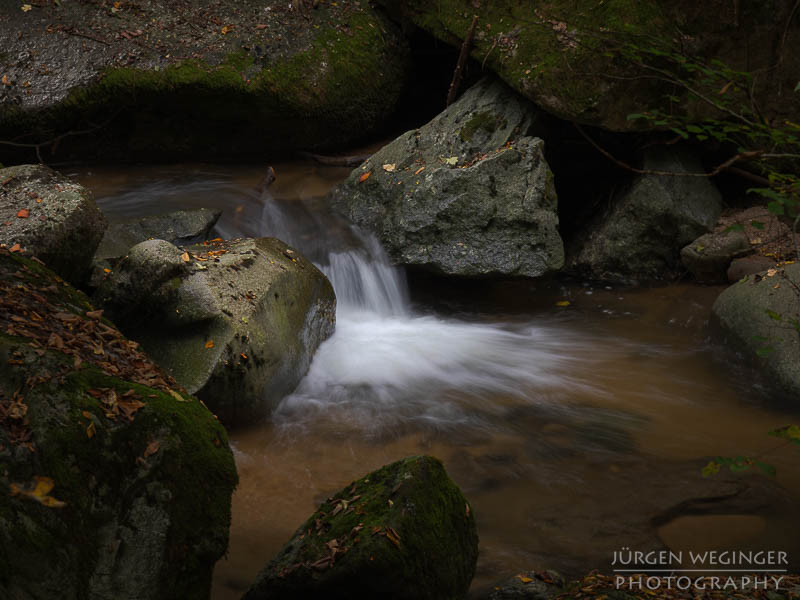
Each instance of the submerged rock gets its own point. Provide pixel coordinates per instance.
(404, 532)
(115, 483)
(641, 233)
(759, 316)
(467, 194)
(234, 322)
(50, 217)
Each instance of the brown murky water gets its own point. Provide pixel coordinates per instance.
(568, 428)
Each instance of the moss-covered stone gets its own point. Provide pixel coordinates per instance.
(565, 56)
(404, 531)
(108, 488)
(290, 83)
(50, 217)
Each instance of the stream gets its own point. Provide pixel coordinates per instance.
(567, 412)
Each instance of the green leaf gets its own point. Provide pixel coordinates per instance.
(734, 227)
(694, 129)
(681, 133)
(776, 208)
(757, 224)
(789, 432)
(712, 468)
(765, 351)
(797, 87)
(634, 116)
(773, 315)
(768, 469)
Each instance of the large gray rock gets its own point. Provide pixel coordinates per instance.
(179, 227)
(467, 194)
(404, 532)
(710, 255)
(115, 484)
(759, 316)
(50, 217)
(234, 322)
(641, 233)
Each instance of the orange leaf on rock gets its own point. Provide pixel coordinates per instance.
(23, 213)
(91, 430)
(209, 344)
(364, 176)
(152, 448)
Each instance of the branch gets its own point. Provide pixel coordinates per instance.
(717, 170)
(58, 138)
(462, 61)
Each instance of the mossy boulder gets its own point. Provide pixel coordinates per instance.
(404, 531)
(567, 57)
(222, 80)
(235, 322)
(641, 232)
(50, 217)
(468, 194)
(114, 483)
(758, 317)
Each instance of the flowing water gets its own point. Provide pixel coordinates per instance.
(568, 427)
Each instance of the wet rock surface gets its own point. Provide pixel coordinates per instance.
(234, 322)
(117, 484)
(51, 217)
(640, 234)
(469, 193)
(404, 531)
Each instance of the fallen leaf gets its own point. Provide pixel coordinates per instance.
(185, 257)
(389, 168)
(23, 213)
(26, 7)
(261, 26)
(418, 171)
(94, 314)
(91, 430)
(209, 344)
(771, 272)
(16, 248)
(40, 492)
(364, 176)
(563, 303)
(5, 80)
(452, 161)
(152, 448)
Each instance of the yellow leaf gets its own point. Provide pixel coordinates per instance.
(563, 303)
(452, 161)
(389, 168)
(185, 257)
(524, 579)
(225, 30)
(91, 430)
(177, 396)
(26, 7)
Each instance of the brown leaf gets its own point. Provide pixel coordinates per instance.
(94, 314)
(91, 430)
(185, 257)
(364, 176)
(152, 448)
(209, 344)
(23, 213)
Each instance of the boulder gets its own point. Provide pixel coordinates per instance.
(50, 217)
(404, 531)
(116, 483)
(591, 64)
(235, 322)
(180, 227)
(708, 257)
(748, 265)
(257, 80)
(759, 317)
(467, 194)
(641, 233)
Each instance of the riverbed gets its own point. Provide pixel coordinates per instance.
(571, 414)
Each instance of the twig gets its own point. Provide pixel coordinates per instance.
(88, 36)
(462, 61)
(58, 138)
(717, 170)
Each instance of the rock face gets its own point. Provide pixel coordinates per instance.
(404, 531)
(567, 59)
(180, 227)
(50, 217)
(641, 233)
(260, 80)
(467, 194)
(759, 317)
(234, 322)
(120, 484)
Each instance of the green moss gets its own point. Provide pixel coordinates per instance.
(487, 121)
